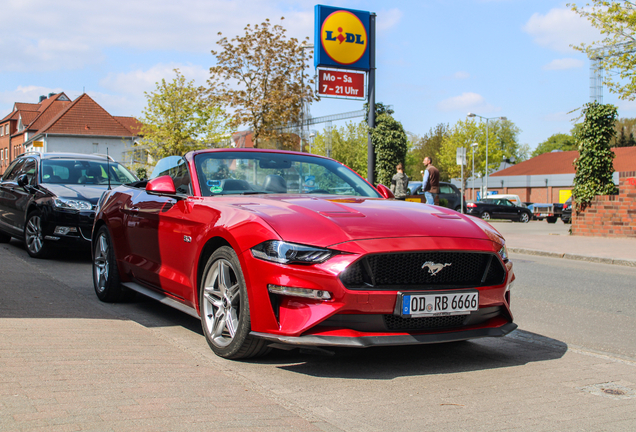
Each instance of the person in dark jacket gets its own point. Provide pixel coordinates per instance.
(400, 183)
(430, 183)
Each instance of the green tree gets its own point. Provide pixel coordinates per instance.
(559, 141)
(347, 144)
(178, 118)
(428, 145)
(594, 166)
(390, 145)
(616, 21)
(502, 143)
(260, 77)
(625, 128)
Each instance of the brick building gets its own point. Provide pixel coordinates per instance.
(548, 177)
(57, 124)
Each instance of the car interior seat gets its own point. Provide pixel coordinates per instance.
(275, 183)
(48, 177)
(235, 185)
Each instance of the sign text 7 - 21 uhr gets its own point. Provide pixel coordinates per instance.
(341, 83)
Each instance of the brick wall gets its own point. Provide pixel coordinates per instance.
(610, 215)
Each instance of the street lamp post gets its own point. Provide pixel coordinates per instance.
(486, 118)
(473, 145)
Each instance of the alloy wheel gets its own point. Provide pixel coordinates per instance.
(221, 304)
(485, 216)
(100, 263)
(33, 234)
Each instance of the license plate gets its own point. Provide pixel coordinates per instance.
(438, 303)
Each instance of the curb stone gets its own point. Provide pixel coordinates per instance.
(601, 260)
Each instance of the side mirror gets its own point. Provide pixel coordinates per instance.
(161, 185)
(23, 180)
(385, 191)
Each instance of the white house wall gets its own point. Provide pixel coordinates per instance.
(85, 145)
(554, 180)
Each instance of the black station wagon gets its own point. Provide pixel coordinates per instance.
(49, 199)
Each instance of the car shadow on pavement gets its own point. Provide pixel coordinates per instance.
(385, 363)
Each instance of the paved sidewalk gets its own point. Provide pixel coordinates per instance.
(541, 238)
(71, 363)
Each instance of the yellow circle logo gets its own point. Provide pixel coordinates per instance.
(343, 37)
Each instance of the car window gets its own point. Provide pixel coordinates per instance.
(506, 203)
(177, 168)
(13, 170)
(264, 172)
(28, 168)
(79, 171)
(446, 189)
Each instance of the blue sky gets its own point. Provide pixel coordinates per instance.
(437, 60)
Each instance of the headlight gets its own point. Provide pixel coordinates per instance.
(72, 204)
(288, 253)
(503, 253)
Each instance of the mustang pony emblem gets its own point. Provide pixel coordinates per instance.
(434, 268)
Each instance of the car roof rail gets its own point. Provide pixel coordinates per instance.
(30, 152)
(104, 155)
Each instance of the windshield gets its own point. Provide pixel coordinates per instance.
(254, 172)
(78, 171)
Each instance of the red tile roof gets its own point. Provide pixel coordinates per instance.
(47, 114)
(23, 106)
(84, 116)
(562, 163)
(130, 123)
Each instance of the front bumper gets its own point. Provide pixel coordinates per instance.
(362, 316)
(81, 223)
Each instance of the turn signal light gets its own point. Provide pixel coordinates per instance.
(299, 292)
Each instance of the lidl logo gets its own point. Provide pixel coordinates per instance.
(343, 37)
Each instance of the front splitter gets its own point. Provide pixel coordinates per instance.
(369, 341)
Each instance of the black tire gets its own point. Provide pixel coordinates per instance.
(34, 236)
(223, 295)
(4, 238)
(485, 216)
(458, 209)
(106, 280)
(551, 219)
(524, 218)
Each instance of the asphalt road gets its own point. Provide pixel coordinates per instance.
(581, 303)
(572, 337)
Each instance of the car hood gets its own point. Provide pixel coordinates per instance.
(329, 221)
(90, 193)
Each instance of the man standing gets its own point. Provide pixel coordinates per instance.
(400, 183)
(430, 184)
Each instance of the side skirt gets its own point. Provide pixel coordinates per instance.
(161, 298)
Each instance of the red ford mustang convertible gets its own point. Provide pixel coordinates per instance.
(270, 247)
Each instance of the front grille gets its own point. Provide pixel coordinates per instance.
(395, 322)
(405, 271)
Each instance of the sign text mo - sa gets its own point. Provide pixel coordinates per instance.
(342, 38)
(341, 84)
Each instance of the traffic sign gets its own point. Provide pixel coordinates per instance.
(341, 84)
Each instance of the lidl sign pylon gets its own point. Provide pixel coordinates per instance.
(342, 38)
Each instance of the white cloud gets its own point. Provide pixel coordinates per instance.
(564, 63)
(465, 101)
(386, 20)
(461, 75)
(67, 34)
(28, 94)
(138, 81)
(560, 28)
